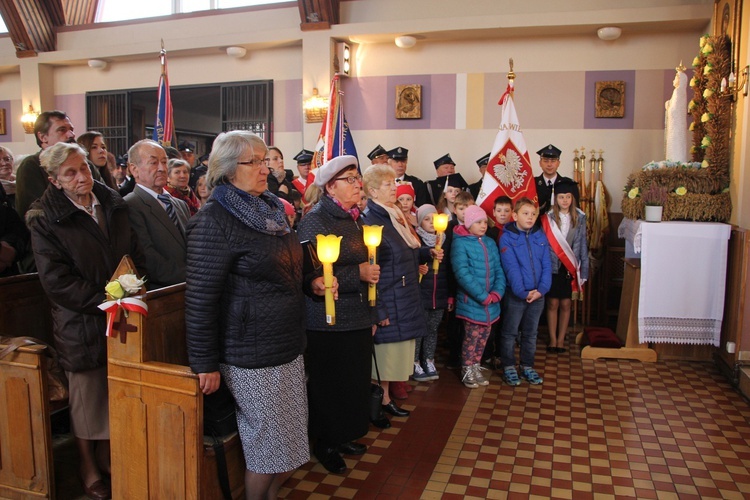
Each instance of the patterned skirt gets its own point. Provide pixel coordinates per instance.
(271, 415)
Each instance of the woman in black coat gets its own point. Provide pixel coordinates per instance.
(245, 310)
(79, 232)
(338, 356)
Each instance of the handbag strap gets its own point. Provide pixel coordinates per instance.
(375, 359)
(221, 467)
(17, 342)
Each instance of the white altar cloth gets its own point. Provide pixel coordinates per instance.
(683, 276)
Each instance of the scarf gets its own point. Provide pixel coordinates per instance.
(354, 211)
(429, 239)
(263, 213)
(404, 230)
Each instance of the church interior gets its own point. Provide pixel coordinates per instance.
(617, 417)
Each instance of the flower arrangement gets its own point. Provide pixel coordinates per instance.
(124, 286)
(654, 195)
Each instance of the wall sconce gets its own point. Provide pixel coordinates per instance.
(609, 33)
(344, 56)
(730, 88)
(405, 42)
(236, 52)
(99, 64)
(28, 119)
(315, 107)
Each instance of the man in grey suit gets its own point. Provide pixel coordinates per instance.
(158, 218)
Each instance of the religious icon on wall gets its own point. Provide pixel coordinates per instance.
(2, 122)
(726, 21)
(408, 101)
(610, 99)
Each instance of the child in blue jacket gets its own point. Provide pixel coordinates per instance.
(481, 285)
(524, 252)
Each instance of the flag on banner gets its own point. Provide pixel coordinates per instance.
(164, 126)
(335, 138)
(509, 169)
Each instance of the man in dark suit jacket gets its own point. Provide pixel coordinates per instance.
(482, 164)
(162, 235)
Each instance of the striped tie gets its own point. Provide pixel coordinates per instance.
(167, 200)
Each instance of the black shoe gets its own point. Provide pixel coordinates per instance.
(395, 410)
(330, 459)
(561, 350)
(381, 423)
(353, 448)
(551, 349)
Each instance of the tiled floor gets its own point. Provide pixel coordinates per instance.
(594, 429)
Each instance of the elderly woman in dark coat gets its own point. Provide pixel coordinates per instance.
(245, 310)
(338, 356)
(400, 316)
(80, 231)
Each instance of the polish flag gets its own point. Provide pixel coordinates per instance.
(509, 169)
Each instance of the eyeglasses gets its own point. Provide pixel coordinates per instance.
(6, 159)
(353, 179)
(255, 163)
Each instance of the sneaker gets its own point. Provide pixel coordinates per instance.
(469, 378)
(431, 370)
(419, 373)
(510, 375)
(529, 374)
(478, 375)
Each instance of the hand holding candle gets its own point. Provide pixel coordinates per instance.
(440, 222)
(328, 253)
(372, 236)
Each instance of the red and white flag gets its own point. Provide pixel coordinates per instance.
(509, 169)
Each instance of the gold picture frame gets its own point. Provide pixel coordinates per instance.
(728, 21)
(408, 101)
(2, 122)
(610, 99)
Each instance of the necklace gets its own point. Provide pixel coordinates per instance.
(89, 209)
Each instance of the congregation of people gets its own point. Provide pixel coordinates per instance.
(239, 229)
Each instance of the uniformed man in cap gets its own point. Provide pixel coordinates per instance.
(378, 155)
(398, 159)
(304, 160)
(549, 161)
(187, 152)
(444, 166)
(482, 164)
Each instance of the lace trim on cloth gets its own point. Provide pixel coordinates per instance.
(679, 330)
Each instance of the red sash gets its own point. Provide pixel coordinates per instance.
(563, 251)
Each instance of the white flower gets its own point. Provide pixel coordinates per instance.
(131, 283)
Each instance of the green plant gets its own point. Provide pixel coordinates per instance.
(654, 195)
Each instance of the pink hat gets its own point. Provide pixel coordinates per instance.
(288, 207)
(473, 214)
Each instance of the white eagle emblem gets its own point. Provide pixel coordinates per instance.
(509, 172)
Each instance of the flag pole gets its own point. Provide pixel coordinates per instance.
(511, 75)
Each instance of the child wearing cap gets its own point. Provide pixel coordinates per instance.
(481, 286)
(434, 294)
(524, 252)
(565, 227)
(405, 200)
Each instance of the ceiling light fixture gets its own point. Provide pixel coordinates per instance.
(99, 64)
(405, 42)
(609, 33)
(236, 52)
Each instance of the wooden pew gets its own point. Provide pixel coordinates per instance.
(26, 465)
(156, 407)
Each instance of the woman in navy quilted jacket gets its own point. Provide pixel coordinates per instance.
(400, 316)
(245, 310)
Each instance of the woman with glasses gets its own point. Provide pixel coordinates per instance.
(7, 178)
(338, 356)
(399, 313)
(245, 310)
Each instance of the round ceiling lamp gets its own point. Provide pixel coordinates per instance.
(97, 64)
(405, 42)
(236, 52)
(609, 33)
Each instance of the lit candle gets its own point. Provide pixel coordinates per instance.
(372, 235)
(732, 80)
(440, 222)
(328, 253)
(723, 85)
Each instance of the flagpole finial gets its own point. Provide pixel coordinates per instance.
(511, 75)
